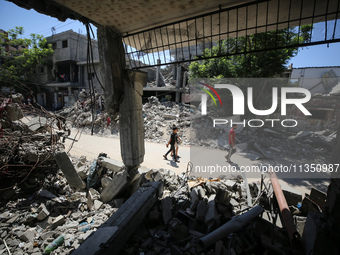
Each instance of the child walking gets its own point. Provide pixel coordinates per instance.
(172, 141)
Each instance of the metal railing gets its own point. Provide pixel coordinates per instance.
(252, 27)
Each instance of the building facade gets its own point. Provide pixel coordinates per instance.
(61, 82)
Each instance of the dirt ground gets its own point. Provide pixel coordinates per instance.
(91, 146)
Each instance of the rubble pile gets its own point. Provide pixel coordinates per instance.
(159, 117)
(166, 78)
(264, 142)
(28, 225)
(80, 115)
(189, 215)
(27, 145)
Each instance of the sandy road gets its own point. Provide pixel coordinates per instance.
(91, 146)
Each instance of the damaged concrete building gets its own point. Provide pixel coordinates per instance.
(165, 213)
(61, 82)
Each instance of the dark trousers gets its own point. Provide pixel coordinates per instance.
(172, 148)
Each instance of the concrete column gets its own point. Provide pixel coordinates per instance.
(131, 120)
(178, 84)
(123, 94)
(55, 98)
(112, 61)
(69, 94)
(71, 72)
(158, 84)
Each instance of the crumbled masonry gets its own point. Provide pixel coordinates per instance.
(102, 205)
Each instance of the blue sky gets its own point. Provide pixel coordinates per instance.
(33, 22)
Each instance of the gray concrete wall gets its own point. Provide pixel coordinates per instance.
(312, 76)
(76, 49)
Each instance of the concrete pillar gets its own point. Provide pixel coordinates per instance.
(69, 93)
(71, 72)
(131, 120)
(158, 84)
(55, 96)
(123, 94)
(112, 61)
(178, 84)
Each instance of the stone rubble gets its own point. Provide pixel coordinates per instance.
(188, 209)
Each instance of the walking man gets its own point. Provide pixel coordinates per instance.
(172, 141)
(232, 148)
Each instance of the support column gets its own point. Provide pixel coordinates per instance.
(158, 84)
(131, 120)
(178, 84)
(55, 96)
(123, 95)
(112, 61)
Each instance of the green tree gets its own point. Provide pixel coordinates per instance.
(19, 58)
(240, 64)
(260, 63)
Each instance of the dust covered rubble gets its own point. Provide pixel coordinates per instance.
(188, 209)
(264, 142)
(195, 129)
(159, 117)
(30, 221)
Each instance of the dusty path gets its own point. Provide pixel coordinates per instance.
(91, 146)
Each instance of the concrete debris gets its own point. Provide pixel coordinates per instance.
(69, 171)
(155, 211)
(158, 119)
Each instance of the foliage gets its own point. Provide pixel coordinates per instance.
(239, 63)
(261, 63)
(20, 56)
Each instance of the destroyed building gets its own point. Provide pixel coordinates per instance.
(165, 213)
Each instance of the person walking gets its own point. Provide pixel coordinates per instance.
(172, 141)
(178, 141)
(232, 147)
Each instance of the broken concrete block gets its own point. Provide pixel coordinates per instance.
(201, 211)
(193, 199)
(37, 123)
(72, 177)
(234, 203)
(97, 204)
(111, 164)
(82, 172)
(90, 201)
(118, 182)
(211, 214)
(60, 220)
(14, 112)
(113, 234)
(94, 193)
(28, 235)
(223, 196)
(166, 204)
(231, 185)
(200, 191)
(43, 212)
(178, 230)
(105, 181)
(46, 235)
(84, 236)
(293, 196)
(318, 197)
